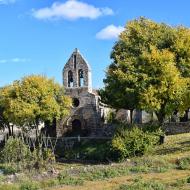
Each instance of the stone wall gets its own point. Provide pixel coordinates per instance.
(176, 128)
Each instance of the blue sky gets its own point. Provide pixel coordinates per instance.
(38, 36)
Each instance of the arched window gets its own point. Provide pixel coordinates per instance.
(70, 79)
(81, 77)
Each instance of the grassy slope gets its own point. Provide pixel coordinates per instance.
(165, 167)
(164, 157)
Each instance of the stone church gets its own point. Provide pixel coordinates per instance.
(86, 113)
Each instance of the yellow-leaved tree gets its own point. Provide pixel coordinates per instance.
(32, 100)
(150, 69)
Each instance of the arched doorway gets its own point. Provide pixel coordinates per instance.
(76, 127)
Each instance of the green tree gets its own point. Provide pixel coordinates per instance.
(164, 87)
(150, 69)
(33, 100)
(5, 121)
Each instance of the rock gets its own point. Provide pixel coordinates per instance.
(128, 160)
(11, 178)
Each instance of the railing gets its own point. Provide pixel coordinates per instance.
(50, 142)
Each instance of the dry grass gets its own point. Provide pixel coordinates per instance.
(168, 177)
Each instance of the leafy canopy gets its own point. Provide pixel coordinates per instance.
(32, 100)
(150, 69)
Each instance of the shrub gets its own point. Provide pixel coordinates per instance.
(15, 151)
(49, 183)
(28, 185)
(152, 185)
(95, 150)
(8, 169)
(111, 117)
(19, 156)
(91, 150)
(65, 179)
(131, 141)
(188, 180)
(41, 158)
(139, 169)
(179, 183)
(183, 163)
(8, 187)
(102, 173)
(155, 164)
(153, 128)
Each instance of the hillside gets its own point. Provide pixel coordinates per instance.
(166, 167)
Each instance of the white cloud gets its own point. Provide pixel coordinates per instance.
(110, 32)
(5, 2)
(71, 10)
(14, 60)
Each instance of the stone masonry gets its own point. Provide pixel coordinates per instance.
(85, 115)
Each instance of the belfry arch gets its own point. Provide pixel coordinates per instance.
(70, 79)
(77, 72)
(80, 78)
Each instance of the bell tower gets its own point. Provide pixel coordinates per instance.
(77, 73)
(85, 113)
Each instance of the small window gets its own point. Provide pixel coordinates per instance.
(81, 77)
(76, 102)
(70, 79)
(75, 61)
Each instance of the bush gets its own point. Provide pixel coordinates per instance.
(41, 158)
(184, 163)
(91, 150)
(188, 180)
(179, 183)
(153, 128)
(15, 151)
(144, 186)
(131, 141)
(18, 156)
(49, 183)
(8, 169)
(65, 179)
(155, 164)
(8, 187)
(95, 150)
(111, 117)
(29, 186)
(103, 173)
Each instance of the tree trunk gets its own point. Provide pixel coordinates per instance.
(37, 131)
(37, 122)
(161, 116)
(9, 130)
(12, 129)
(131, 116)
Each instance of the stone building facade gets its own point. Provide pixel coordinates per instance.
(86, 111)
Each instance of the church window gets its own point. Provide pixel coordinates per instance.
(75, 61)
(75, 102)
(81, 77)
(70, 79)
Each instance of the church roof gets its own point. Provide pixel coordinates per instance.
(79, 57)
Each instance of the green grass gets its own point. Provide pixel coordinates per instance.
(172, 156)
(141, 185)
